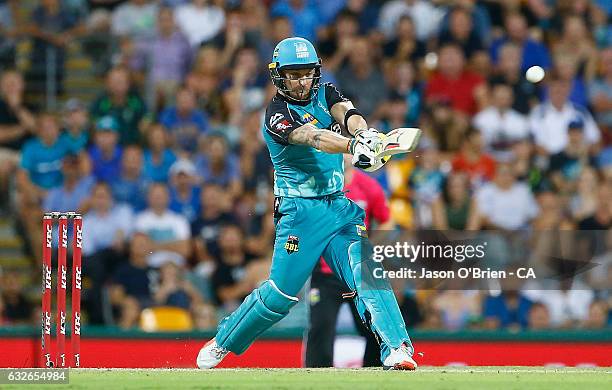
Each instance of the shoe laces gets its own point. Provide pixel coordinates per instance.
(219, 352)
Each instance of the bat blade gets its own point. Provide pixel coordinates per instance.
(400, 140)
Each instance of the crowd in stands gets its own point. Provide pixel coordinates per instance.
(171, 173)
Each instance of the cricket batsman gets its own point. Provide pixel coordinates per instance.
(312, 215)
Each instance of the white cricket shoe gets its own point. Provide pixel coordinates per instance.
(400, 359)
(210, 355)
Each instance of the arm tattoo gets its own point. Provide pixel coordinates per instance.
(306, 135)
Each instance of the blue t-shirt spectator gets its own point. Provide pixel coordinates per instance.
(497, 307)
(44, 163)
(534, 53)
(230, 172)
(130, 192)
(76, 144)
(60, 199)
(186, 130)
(305, 20)
(189, 208)
(158, 171)
(105, 169)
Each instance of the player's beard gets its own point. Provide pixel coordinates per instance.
(302, 92)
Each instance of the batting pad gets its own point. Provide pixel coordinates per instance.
(261, 309)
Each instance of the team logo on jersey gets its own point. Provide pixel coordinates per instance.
(292, 245)
(361, 231)
(301, 50)
(309, 119)
(275, 118)
(284, 125)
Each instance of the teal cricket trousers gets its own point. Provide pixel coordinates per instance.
(307, 228)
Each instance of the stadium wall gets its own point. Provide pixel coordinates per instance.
(104, 348)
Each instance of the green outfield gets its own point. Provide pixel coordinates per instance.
(491, 378)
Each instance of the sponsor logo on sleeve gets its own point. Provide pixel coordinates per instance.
(276, 118)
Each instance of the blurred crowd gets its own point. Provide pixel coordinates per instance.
(170, 170)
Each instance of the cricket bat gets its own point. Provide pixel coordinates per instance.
(400, 140)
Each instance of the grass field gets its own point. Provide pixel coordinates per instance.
(469, 378)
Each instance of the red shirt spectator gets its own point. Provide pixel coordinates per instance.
(471, 159)
(453, 83)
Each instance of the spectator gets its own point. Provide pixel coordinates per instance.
(76, 125)
(200, 21)
(132, 285)
(464, 89)
(135, 18)
(204, 80)
(52, 26)
(237, 273)
(539, 318)
(508, 71)
(217, 165)
(255, 164)
(18, 310)
(403, 81)
(503, 203)
(452, 208)
(40, 171)
(549, 120)
(584, 201)
(533, 53)
(305, 19)
(600, 94)
(566, 67)
(124, 105)
(130, 185)
(16, 125)
(9, 32)
(41, 159)
(245, 90)
(184, 191)
(105, 154)
(577, 43)
(566, 166)
(394, 111)
(405, 46)
(168, 231)
(158, 158)
(462, 33)
(336, 42)
(174, 289)
(16, 118)
(215, 204)
(499, 124)
(185, 122)
(425, 15)
(527, 166)
(166, 58)
(598, 315)
(601, 219)
(457, 308)
(360, 80)
(234, 36)
(75, 189)
(568, 306)
(509, 309)
(472, 159)
(106, 229)
(426, 182)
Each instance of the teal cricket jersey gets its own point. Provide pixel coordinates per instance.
(303, 171)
